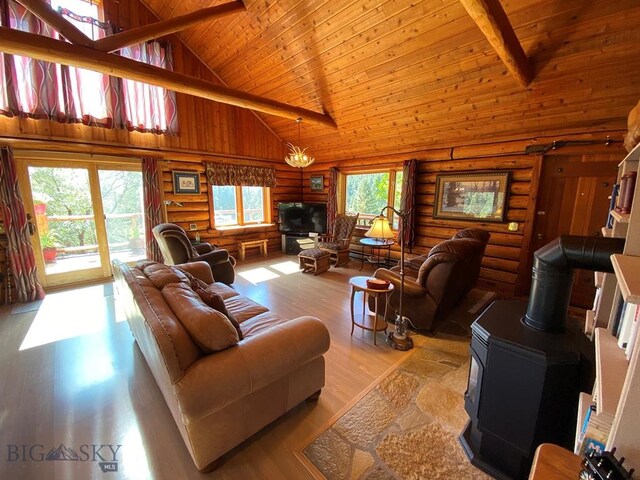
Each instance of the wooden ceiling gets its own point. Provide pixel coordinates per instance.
(405, 75)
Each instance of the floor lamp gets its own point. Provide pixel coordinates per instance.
(380, 228)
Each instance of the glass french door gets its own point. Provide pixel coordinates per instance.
(85, 214)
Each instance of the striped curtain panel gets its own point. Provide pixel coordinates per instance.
(408, 201)
(332, 198)
(148, 108)
(20, 251)
(152, 205)
(45, 90)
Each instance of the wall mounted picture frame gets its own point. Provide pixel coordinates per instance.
(317, 183)
(478, 197)
(186, 182)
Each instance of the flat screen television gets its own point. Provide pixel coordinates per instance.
(302, 217)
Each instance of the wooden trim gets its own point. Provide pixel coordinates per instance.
(494, 24)
(52, 18)
(165, 27)
(526, 256)
(36, 46)
(95, 147)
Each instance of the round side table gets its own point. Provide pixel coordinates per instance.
(376, 245)
(364, 321)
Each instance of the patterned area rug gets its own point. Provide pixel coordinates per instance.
(407, 426)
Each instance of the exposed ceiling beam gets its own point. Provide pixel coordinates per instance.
(56, 21)
(43, 48)
(165, 27)
(494, 24)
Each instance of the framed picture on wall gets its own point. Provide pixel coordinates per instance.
(186, 182)
(472, 196)
(317, 183)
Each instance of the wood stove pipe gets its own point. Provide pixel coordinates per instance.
(552, 276)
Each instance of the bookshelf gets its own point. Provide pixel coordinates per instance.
(617, 387)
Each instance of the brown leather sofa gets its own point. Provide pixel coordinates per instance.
(258, 369)
(176, 249)
(436, 282)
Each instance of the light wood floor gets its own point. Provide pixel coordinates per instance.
(71, 374)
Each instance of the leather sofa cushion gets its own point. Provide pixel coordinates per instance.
(216, 302)
(160, 275)
(260, 323)
(209, 328)
(243, 308)
(225, 291)
(211, 298)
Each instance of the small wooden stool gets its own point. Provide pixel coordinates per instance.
(314, 260)
(261, 244)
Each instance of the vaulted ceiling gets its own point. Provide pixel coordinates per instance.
(404, 75)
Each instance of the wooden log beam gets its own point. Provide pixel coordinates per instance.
(56, 21)
(494, 24)
(165, 27)
(42, 48)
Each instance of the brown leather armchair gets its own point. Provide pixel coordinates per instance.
(441, 281)
(176, 249)
(413, 265)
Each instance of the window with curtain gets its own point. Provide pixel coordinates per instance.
(148, 108)
(239, 194)
(239, 205)
(42, 90)
(369, 192)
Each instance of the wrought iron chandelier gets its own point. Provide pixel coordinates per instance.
(297, 156)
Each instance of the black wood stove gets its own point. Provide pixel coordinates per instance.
(527, 368)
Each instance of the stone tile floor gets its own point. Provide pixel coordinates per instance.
(407, 426)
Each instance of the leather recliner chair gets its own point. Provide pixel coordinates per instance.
(177, 249)
(441, 280)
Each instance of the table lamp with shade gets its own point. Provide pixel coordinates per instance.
(380, 229)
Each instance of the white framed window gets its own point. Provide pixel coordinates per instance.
(367, 193)
(239, 205)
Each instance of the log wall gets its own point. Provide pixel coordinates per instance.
(505, 266)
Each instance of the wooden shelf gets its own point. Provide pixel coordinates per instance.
(620, 217)
(627, 269)
(585, 400)
(589, 322)
(598, 278)
(607, 232)
(611, 367)
(633, 156)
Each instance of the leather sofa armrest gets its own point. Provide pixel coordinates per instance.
(200, 270)
(202, 248)
(214, 257)
(411, 288)
(224, 377)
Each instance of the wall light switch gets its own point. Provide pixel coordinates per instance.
(513, 226)
(193, 226)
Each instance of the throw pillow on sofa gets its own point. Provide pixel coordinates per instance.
(210, 298)
(216, 302)
(209, 328)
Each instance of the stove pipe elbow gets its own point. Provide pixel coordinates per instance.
(552, 276)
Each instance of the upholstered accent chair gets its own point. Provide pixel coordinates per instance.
(177, 249)
(435, 283)
(337, 244)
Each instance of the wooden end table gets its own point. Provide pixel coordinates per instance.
(359, 284)
(376, 246)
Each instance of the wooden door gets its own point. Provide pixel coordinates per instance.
(573, 200)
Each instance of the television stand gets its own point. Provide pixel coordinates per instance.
(294, 243)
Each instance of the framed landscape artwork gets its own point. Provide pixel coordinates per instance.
(472, 196)
(317, 183)
(186, 182)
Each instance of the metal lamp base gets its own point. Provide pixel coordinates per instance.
(403, 344)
